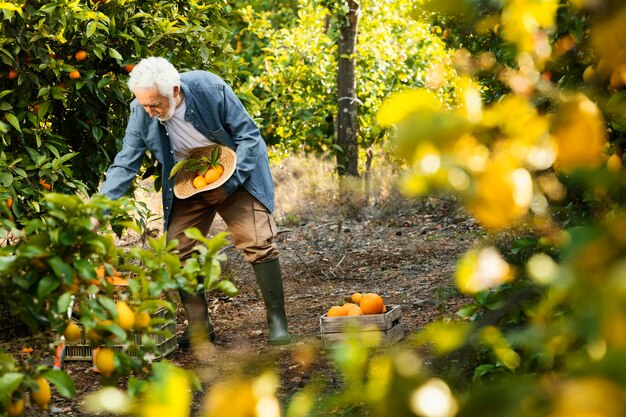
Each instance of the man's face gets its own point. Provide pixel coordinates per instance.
(156, 104)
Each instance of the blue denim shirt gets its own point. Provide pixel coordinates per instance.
(217, 113)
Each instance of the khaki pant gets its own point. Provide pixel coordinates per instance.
(251, 226)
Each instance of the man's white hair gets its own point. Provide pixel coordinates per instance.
(154, 72)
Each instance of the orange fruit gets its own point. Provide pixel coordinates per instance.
(74, 75)
(10, 203)
(199, 182)
(142, 320)
(220, 169)
(15, 407)
(12, 74)
(125, 316)
(348, 306)
(105, 362)
(41, 396)
(337, 311)
(356, 297)
(80, 55)
(589, 74)
(372, 304)
(129, 67)
(44, 184)
(614, 163)
(355, 311)
(212, 175)
(72, 332)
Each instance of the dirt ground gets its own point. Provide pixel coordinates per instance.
(407, 254)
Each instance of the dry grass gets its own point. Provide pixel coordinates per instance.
(308, 189)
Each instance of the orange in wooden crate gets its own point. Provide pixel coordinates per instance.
(387, 328)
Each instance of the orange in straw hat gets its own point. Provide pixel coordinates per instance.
(183, 184)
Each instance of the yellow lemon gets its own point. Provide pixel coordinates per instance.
(104, 361)
(142, 320)
(72, 332)
(125, 316)
(41, 396)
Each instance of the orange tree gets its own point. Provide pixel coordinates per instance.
(63, 69)
(64, 106)
(65, 264)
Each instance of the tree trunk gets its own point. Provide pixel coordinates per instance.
(348, 111)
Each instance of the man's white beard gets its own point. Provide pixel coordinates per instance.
(171, 110)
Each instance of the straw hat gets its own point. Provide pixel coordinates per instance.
(183, 184)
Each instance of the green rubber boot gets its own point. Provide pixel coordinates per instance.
(199, 327)
(270, 280)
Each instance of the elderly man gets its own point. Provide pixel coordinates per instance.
(173, 114)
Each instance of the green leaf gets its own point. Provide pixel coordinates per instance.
(60, 268)
(136, 386)
(13, 121)
(108, 304)
(227, 287)
(6, 179)
(6, 262)
(10, 381)
(91, 29)
(114, 54)
(196, 234)
(62, 381)
(179, 165)
(137, 31)
(63, 303)
(85, 269)
(46, 286)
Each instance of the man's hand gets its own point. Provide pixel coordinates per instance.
(215, 197)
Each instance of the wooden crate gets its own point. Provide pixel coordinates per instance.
(386, 328)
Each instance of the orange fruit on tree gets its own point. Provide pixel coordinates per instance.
(355, 311)
(12, 74)
(44, 184)
(372, 303)
(212, 175)
(199, 182)
(125, 316)
(41, 395)
(15, 406)
(105, 361)
(74, 75)
(356, 297)
(10, 203)
(614, 163)
(142, 320)
(72, 332)
(129, 67)
(336, 311)
(80, 55)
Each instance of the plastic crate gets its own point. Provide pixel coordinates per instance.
(165, 341)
